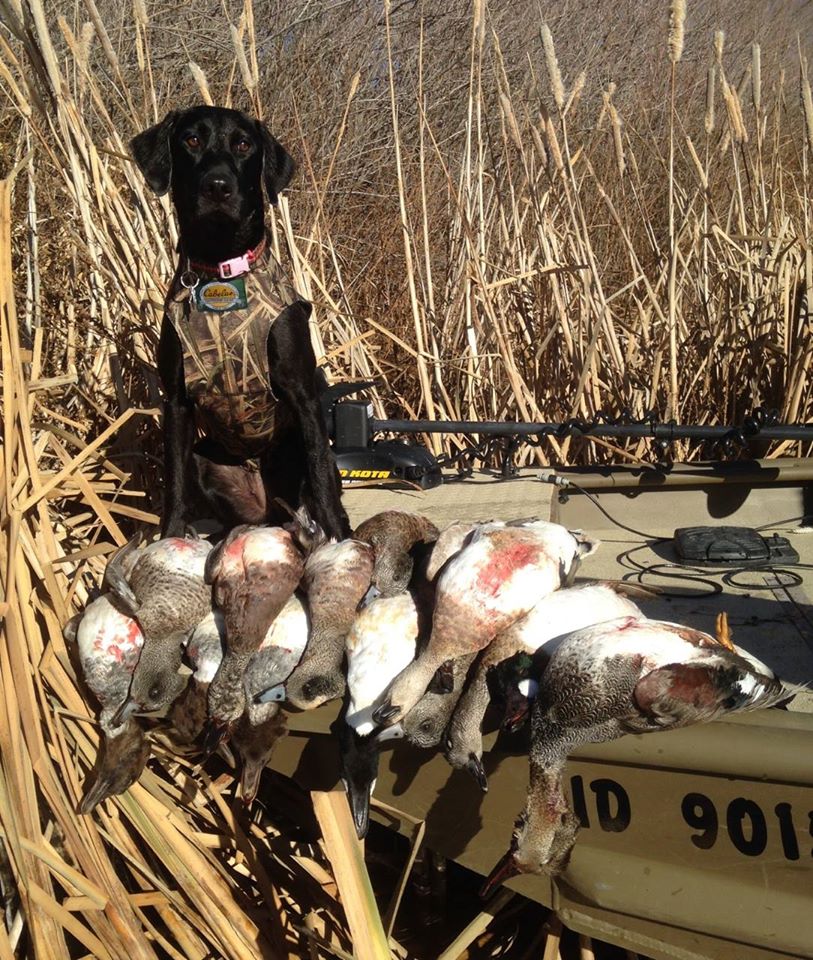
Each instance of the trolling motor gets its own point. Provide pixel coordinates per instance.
(368, 462)
(363, 461)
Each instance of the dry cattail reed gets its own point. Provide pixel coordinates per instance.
(677, 19)
(540, 146)
(554, 74)
(807, 105)
(719, 42)
(756, 76)
(242, 62)
(708, 120)
(732, 102)
(511, 121)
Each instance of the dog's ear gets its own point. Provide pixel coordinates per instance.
(278, 165)
(151, 152)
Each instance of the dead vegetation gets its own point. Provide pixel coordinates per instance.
(490, 224)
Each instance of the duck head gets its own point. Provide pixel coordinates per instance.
(226, 702)
(156, 681)
(255, 742)
(544, 836)
(121, 760)
(312, 683)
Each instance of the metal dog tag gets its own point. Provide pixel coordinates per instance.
(220, 296)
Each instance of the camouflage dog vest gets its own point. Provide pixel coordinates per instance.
(223, 326)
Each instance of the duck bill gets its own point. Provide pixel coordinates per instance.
(477, 770)
(359, 799)
(124, 712)
(505, 869)
(216, 732)
(272, 694)
(395, 732)
(250, 782)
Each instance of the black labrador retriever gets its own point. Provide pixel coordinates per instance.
(234, 356)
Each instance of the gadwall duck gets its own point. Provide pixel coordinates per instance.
(628, 675)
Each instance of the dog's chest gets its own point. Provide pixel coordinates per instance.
(223, 327)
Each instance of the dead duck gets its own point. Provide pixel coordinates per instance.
(253, 573)
(337, 577)
(394, 535)
(161, 586)
(556, 615)
(109, 642)
(381, 642)
(262, 724)
(204, 652)
(501, 572)
(625, 676)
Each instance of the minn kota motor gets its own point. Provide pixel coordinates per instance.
(361, 459)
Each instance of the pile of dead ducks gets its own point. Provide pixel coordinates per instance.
(414, 628)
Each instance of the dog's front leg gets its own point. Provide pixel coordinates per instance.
(178, 429)
(292, 367)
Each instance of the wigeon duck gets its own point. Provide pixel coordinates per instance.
(394, 536)
(253, 573)
(336, 579)
(381, 642)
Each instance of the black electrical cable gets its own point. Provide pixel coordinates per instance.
(691, 574)
(654, 537)
(781, 523)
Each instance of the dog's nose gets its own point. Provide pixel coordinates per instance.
(217, 188)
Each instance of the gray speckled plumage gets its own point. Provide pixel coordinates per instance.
(558, 614)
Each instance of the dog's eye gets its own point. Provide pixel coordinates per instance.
(243, 145)
(192, 141)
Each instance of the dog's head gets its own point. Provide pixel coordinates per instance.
(215, 161)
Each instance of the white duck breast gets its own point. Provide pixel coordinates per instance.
(380, 644)
(109, 643)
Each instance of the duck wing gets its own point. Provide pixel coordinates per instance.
(678, 694)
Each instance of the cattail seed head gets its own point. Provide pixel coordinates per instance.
(511, 121)
(719, 41)
(140, 14)
(677, 19)
(807, 106)
(242, 62)
(540, 146)
(554, 74)
(576, 92)
(200, 79)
